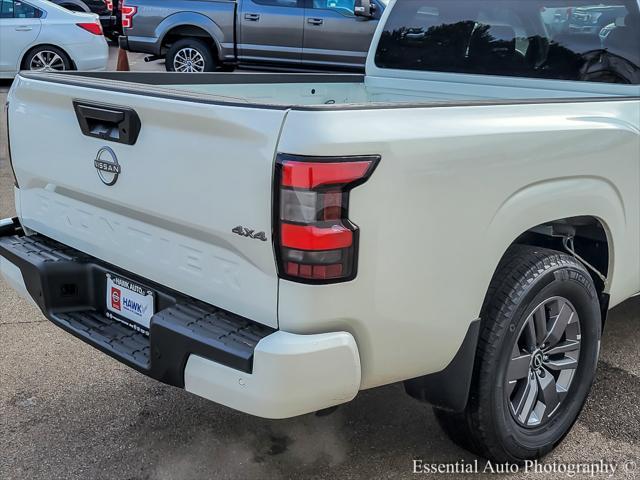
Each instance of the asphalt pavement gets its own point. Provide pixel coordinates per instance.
(68, 411)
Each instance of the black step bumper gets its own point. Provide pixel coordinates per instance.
(70, 289)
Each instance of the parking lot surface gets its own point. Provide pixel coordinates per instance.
(68, 411)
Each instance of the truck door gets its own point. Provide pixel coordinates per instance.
(271, 31)
(333, 35)
(19, 28)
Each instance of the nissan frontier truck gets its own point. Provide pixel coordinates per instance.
(460, 219)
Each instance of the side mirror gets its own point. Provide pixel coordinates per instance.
(364, 8)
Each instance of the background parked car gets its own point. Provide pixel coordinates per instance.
(591, 20)
(39, 35)
(197, 36)
(105, 9)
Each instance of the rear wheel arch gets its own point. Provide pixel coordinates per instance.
(177, 28)
(28, 52)
(587, 203)
(592, 241)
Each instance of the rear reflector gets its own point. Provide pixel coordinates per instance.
(94, 28)
(315, 240)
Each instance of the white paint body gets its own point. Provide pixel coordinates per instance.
(458, 182)
(56, 27)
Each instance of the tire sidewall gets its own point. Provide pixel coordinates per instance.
(576, 285)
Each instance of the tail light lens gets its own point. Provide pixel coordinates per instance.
(109, 4)
(94, 28)
(315, 240)
(128, 12)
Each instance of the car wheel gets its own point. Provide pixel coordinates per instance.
(190, 55)
(47, 58)
(536, 358)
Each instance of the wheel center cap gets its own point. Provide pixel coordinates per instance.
(537, 360)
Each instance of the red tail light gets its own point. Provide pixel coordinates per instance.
(94, 28)
(315, 240)
(109, 4)
(128, 12)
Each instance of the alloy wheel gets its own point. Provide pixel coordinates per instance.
(47, 61)
(543, 362)
(188, 60)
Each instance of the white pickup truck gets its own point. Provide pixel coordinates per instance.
(460, 218)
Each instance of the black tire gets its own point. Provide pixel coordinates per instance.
(31, 59)
(525, 280)
(201, 51)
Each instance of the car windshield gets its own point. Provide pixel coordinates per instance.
(567, 40)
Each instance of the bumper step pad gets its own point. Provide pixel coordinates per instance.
(122, 341)
(70, 289)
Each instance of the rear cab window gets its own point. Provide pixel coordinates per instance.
(562, 40)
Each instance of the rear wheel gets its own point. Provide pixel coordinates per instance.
(190, 55)
(536, 357)
(47, 58)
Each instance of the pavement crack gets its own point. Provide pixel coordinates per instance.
(23, 323)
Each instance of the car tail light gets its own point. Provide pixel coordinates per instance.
(314, 239)
(109, 4)
(128, 12)
(94, 28)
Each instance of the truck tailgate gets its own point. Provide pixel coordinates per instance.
(197, 171)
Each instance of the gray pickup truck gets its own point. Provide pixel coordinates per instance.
(206, 35)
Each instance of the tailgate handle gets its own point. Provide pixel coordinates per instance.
(108, 122)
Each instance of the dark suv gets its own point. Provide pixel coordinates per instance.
(105, 9)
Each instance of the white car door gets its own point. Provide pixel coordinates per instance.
(19, 28)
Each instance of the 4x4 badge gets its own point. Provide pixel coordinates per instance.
(246, 232)
(106, 163)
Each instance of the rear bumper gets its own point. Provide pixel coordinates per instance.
(209, 352)
(149, 45)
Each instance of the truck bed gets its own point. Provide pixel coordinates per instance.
(329, 91)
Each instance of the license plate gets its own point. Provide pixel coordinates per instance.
(129, 301)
